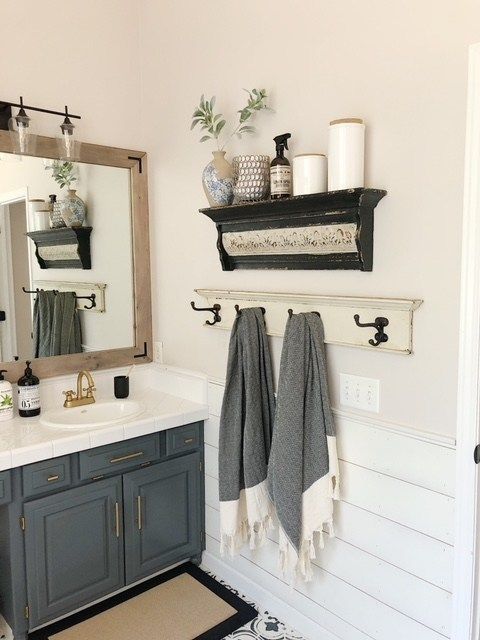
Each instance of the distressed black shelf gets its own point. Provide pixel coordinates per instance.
(64, 248)
(332, 230)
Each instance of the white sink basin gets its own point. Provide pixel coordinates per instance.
(99, 414)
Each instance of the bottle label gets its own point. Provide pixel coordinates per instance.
(29, 397)
(6, 405)
(280, 180)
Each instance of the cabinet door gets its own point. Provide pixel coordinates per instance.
(74, 548)
(162, 515)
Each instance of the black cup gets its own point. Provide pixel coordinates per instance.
(121, 385)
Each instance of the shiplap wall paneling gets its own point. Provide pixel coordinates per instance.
(388, 573)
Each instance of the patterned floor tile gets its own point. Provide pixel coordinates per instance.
(263, 627)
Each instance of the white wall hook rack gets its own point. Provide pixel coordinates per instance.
(81, 289)
(382, 324)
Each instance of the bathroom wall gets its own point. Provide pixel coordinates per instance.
(400, 66)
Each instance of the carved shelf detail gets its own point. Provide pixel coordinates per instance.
(332, 230)
(64, 248)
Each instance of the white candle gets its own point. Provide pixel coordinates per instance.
(346, 154)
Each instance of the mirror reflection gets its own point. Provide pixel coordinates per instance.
(66, 264)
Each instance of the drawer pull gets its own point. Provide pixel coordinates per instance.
(130, 456)
(188, 441)
(53, 478)
(117, 519)
(139, 512)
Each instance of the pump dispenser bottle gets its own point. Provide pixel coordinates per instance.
(6, 398)
(280, 170)
(28, 394)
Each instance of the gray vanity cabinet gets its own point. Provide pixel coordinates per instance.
(162, 515)
(74, 548)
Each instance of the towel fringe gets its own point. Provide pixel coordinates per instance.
(255, 534)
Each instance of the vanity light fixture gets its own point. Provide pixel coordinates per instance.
(69, 146)
(24, 140)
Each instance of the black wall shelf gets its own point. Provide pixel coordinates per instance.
(65, 248)
(332, 230)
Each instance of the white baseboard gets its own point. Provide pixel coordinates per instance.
(265, 600)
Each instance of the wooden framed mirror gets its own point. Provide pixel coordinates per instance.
(104, 263)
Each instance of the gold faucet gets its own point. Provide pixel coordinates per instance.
(78, 399)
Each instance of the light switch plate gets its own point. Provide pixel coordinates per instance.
(360, 393)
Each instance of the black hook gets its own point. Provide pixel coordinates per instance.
(239, 311)
(379, 325)
(215, 310)
(290, 313)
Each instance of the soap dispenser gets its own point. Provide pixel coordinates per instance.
(6, 398)
(28, 394)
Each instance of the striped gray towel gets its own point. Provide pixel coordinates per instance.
(245, 435)
(303, 466)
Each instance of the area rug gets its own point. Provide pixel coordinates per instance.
(182, 604)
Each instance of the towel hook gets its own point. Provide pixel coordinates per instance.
(215, 310)
(239, 311)
(379, 324)
(290, 313)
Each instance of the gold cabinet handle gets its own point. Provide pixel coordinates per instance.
(130, 456)
(139, 512)
(53, 478)
(188, 441)
(117, 519)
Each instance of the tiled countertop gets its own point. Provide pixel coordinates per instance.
(26, 440)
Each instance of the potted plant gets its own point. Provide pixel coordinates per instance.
(72, 207)
(217, 177)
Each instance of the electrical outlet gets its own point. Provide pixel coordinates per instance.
(360, 393)
(158, 352)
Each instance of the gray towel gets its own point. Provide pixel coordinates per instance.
(66, 337)
(42, 323)
(303, 467)
(245, 435)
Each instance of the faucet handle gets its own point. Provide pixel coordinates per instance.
(70, 396)
(90, 391)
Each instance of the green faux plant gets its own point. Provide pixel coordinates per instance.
(62, 173)
(213, 123)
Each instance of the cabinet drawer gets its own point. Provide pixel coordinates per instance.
(5, 487)
(115, 458)
(45, 476)
(182, 439)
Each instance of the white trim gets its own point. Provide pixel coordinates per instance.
(465, 625)
(400, 304)
(438, 439)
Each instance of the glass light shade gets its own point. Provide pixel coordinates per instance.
(67, 144)
(24, 140)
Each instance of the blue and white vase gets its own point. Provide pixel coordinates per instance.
(73, 209)
(217, 179)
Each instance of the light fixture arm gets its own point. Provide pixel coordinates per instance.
(6, 111)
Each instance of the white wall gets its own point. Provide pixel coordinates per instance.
(401, 66)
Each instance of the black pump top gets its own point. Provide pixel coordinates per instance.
(2, 371)
(28, 370)
(281, 143)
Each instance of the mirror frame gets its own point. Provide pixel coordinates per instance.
(136, 162)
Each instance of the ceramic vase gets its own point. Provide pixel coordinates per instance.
(252, 178)
(217, 179)
(73, 209)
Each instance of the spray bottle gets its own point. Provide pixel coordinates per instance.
(280, 170)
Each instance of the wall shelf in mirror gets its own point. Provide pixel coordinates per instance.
(83, 290)
(65, 248)
(332, 230)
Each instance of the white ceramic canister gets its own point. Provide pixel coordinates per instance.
(41, 219)
(346, 154)
(35, 204)
(309, 173)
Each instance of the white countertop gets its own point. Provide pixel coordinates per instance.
(26, 440)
